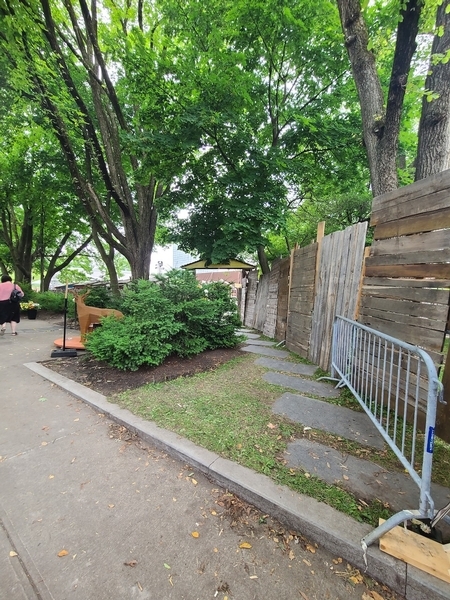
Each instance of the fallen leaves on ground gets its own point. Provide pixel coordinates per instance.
(372, 595)
(63, 553)
(245, 545)
(131, 563)
(195, 534)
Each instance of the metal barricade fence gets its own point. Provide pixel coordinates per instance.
(391, 379)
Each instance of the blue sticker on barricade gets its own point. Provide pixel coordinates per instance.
(430, 440)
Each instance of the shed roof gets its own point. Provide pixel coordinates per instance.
(232, 263)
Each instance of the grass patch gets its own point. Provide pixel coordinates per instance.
(228, 411)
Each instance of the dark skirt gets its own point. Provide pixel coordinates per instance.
(9, 311)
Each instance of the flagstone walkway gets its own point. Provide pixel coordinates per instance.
(309, 406)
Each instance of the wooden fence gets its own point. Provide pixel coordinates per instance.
(301, 299)
(338, 284)
(325, 281)
(405, 289)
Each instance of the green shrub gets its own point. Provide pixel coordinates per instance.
(176, 315)
(101, 297)
(207, 312)
(180, 286)
(52, 301)
(27, 290)
(219, 329)
(143, 336)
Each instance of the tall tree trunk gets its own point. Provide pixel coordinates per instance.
(108, 259)
(263, 262)
(380, 125)
(433, 152)
(368, 87)
(20, 248)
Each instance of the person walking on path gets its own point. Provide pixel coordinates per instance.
(9, 311)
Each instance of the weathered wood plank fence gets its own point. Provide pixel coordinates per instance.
(402, 288)
(337, 289)
(301, 299)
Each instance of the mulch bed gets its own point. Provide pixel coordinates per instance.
(108, 381)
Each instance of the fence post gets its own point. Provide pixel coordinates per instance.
(319, 237)
(443, 416)
(290, 280)
(363, 274)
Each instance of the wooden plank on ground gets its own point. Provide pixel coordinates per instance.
(419, 551)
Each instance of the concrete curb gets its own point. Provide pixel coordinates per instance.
(331, 529)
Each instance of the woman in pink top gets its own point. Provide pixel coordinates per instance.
(9, 311)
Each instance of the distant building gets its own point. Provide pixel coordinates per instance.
(168, 257)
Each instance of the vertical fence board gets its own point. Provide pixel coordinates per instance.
(301, 300)
(282, 307)
(250, 298)
(339, 272)
(270, 322)
(262, 295)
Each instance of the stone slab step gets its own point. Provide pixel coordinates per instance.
(339, 420)
(306, 386)
(266, 351)
(248, 334)
(288, 367)
(365, 479)
(256, 342)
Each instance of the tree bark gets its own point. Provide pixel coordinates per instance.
(433, 151)
(263, 262)
(18, 244)
(108, 259)
(380, 124)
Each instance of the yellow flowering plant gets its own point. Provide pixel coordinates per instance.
(29, 305)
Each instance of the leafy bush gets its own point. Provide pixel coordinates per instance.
(51, 301)
(176, 315)
(207, 312)
(142, 337)
(219, 330)
(101, 297)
